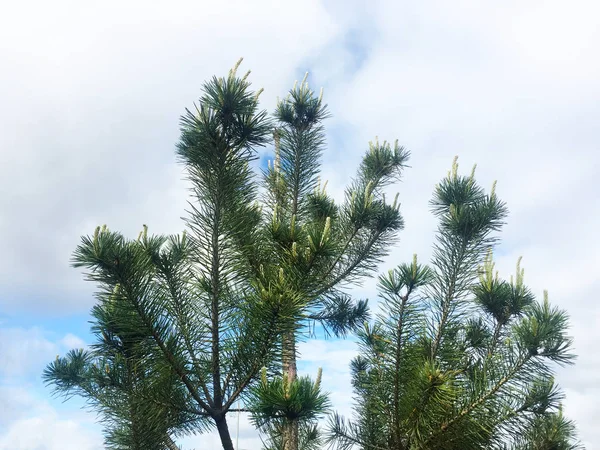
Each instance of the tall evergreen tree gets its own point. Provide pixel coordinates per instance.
(206, 322)
(459, 358)
(204, 312)
(321, 247)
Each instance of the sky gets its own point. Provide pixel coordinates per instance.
(91, 97)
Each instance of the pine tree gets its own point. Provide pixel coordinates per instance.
(459, 358)
(320, 247)
(204, 321)
(191, 320)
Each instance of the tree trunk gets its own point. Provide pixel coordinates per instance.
(170, 444)
(290, 428)
(223, 430)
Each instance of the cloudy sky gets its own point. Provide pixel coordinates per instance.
(91, 97)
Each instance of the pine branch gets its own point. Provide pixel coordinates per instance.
(480, 375)
(481, 400)
(169, 356)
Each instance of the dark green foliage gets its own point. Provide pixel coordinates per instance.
(281, 401)
(188, 325)
(140, 408)
(192, 319)
(550, 431)
(280, 398)
(321, 246)
(340, 315)
(458, 358)
(189, 321)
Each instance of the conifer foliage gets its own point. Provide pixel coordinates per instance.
(459, 358)
(320, 247)
(187, 324)
(200, 323)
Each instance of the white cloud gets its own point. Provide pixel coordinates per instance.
(28, 421)
(70, 341)
(17, 401)
(581, 407)
(42, 428)
(24, 352)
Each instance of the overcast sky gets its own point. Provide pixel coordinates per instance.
(90, 102)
